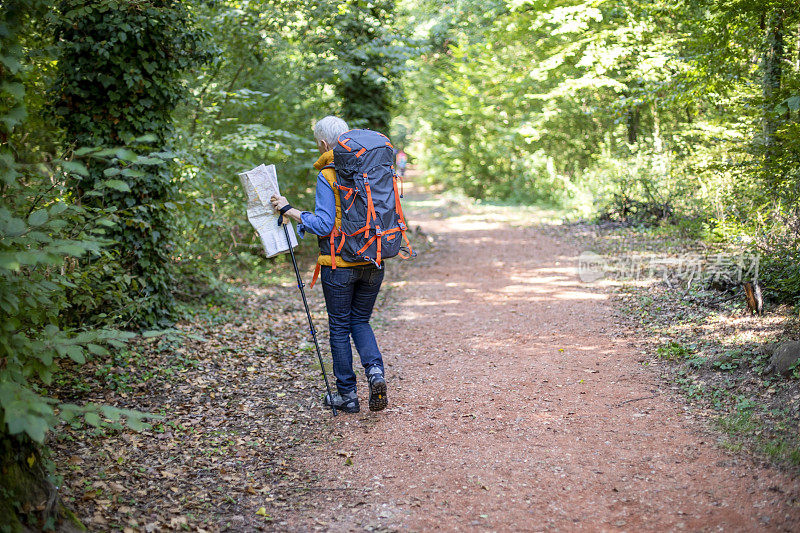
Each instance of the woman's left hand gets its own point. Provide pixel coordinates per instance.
(278, 202)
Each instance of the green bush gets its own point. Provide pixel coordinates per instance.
(779, 268)
(52, 250)
(118, 82)
(54, 246)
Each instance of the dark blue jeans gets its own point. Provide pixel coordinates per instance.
(350, 295)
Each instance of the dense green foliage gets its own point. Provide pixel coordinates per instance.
(277, 68)
(635, 110)
(370, 58)
(53, 251)
(57, 258)
(120, 193)
(118, 79)
(78, 256)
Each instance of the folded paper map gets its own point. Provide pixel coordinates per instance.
(261, 184)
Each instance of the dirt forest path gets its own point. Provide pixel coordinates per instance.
(519, 403)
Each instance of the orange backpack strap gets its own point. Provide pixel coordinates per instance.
(333, 247)
(316, 275)
(411, 252)
(371, 215)
(378, 255)
(403, 228)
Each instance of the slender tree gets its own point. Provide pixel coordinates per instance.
(118, 83)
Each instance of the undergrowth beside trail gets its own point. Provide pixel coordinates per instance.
(699, 333)
(239, 401)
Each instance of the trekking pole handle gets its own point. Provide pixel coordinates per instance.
(283, 211)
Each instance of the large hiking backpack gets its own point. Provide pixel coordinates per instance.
(373, 226)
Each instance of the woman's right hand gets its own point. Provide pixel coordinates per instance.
(278, 202)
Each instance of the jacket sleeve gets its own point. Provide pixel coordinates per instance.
(321, 221)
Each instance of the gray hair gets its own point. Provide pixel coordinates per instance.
(329, 128)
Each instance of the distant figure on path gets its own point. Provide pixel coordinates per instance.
(401, 161)
(350, 289)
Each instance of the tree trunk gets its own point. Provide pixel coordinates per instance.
(28, 500)
(658, 141)
(797, 50)
(772, 73)
(633, 119)
(142, 89)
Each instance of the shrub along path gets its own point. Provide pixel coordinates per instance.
(518, 401)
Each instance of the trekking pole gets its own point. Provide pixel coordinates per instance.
(300, 286)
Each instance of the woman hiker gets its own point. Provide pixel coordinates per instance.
(350, 289)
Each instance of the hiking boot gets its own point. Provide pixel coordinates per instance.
(347, 403)
(377, 389)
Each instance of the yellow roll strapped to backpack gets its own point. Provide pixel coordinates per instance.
(330, 176)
